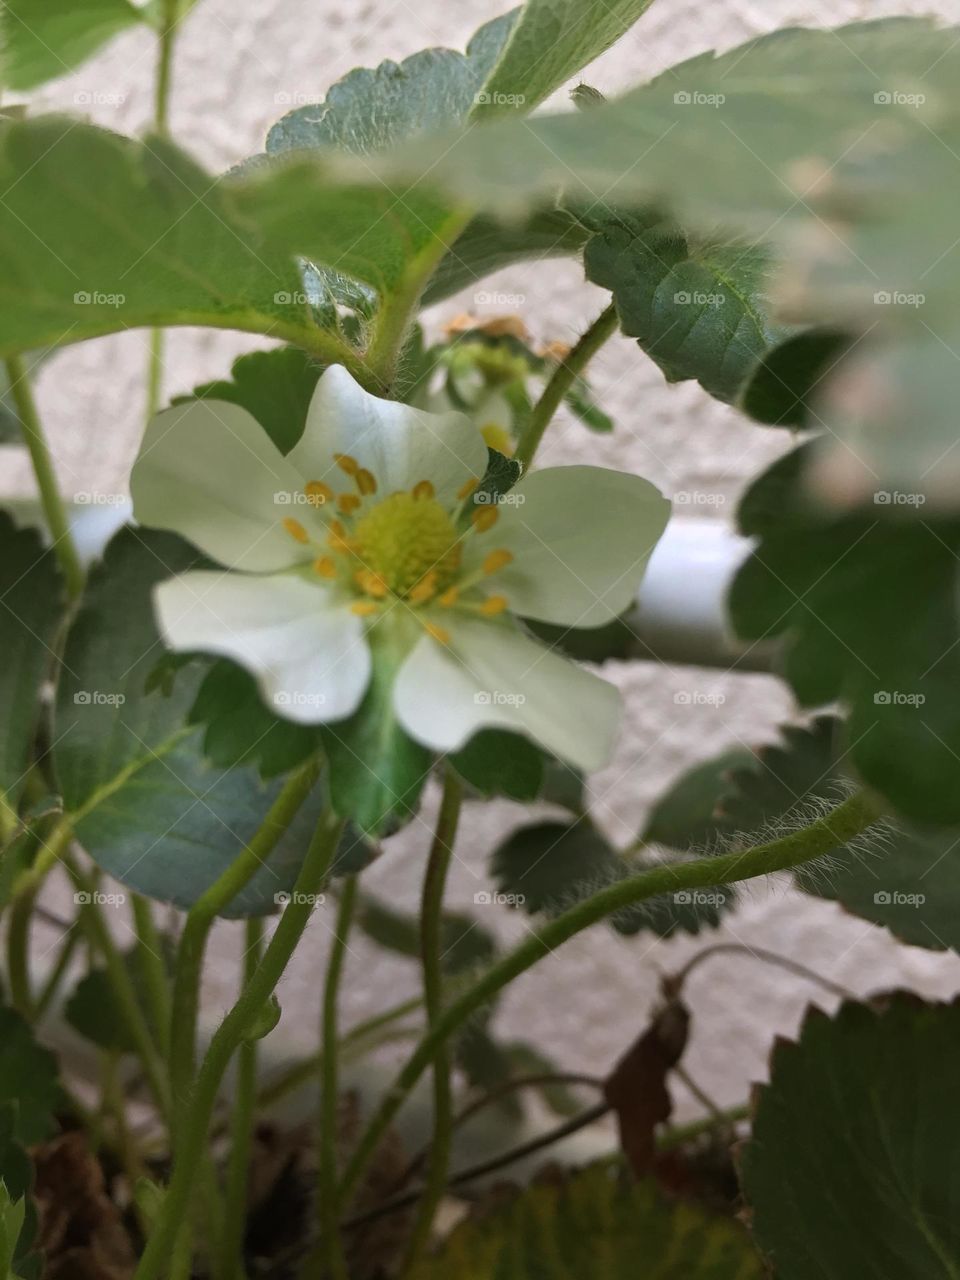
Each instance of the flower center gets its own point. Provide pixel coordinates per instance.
(404, 538)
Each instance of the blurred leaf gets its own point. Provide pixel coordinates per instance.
(45, 39)
(496, 762)
(783, 388)
(465, 944)
(848, 1170)
(529, 1060)
(613, 641)
(16, 1175)
(12, 1215)
(29, 1080)
(637, 1086)
(590, 1224)
(686, 817)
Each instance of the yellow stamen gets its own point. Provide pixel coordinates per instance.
(449, 597)
(371, 582)
(440, 634)
(484, 518)
(366, 481)
(348, 503)
(325, 566)
(296, 530)
(344, 461)
(493, 605)
(423, 489)
(424, 589)
(337, 528)
(364, 608)
(318, 493)
(497, 560)
(467, 489)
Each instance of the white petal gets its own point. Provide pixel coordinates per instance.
(311, 659)
(399, 444)
(209, 471)
(581, 538)
(493, 675)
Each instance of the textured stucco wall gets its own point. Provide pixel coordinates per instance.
(235, 63)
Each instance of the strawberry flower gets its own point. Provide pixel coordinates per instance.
(368, 552)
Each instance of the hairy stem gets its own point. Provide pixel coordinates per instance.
(842, 824)
(564, 376)
(53, 506)
(238, 1022)
(431, 950)
(154, 969)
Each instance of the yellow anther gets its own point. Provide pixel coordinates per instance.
(466, 490)
(494, 561)
(318, 493)
(348, 503)
(449, 597)
(424, 589)
(484, 518)
(296, 530)
(364, 608)
(337, 528)
(370, 582)
(326, 567)
(497, 437)
(440, 634)
(494, 605)
(344, 461)
(366, 481)
(423, 489)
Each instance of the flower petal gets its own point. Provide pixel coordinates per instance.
(209, 471)
(493, 674)
(398, 444)
(311, 659)
(581, 538)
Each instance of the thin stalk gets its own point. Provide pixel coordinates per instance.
(154, 969)
(564, 376)
(238, 1022)
(329, 1259)
(241, 1126)
(22, 906)
(199, 921)
(431, 954)
(54, 509)
(51, 987)
(845, 822)
(169, 18)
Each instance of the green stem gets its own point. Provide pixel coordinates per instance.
(329, 1260)
(24, 900)
(52, 985)
(154, 969)
(169, 18)
(836, 828)
(53, 505)
(241, 1127)
(199, 921)
(564, 376)
(431, 947)
(228, 1036)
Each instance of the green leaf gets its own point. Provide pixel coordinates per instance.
(465, 944)
(145, 804)
(590, 1224)
(45, 39)
(501, 475)
(152, 241)
(28, 1079)
(866, 610)
(782, 389)
(551, 42)
(686, 817)
(614, 640)
(12, 1215)
(16, 1175)
(32, 598)
(376, 771)
(496, 762)
(698, 308)
(848, 1170)
(92, 1008)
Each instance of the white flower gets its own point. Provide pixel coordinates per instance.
(364, 545)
